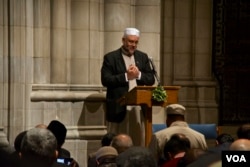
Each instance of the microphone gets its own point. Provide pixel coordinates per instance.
(154, 70)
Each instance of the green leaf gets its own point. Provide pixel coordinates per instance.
(159, 94)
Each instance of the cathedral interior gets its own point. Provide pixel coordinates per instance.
(51, 52)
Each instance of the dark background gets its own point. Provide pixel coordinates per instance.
(231, 59)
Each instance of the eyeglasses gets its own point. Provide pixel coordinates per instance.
(133, 42)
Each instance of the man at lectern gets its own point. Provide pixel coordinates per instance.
(121, 71)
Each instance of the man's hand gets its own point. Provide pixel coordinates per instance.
(74, 164)
(132, 72)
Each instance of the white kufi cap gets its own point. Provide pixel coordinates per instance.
(106, 151)
(131, 31)
(175, 109)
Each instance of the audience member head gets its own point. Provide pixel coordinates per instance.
(106, 156)
(240, 145)
(105, 141)
(6, 151)
(121, 142)
(59, 130)
(191, 156)
(175, 112)
(18, 141)
(136, 156)
(176, 144)
(13, 160)
(107, 138)
(243, 131)
(41, 126)
(224, 138)
(38, 148)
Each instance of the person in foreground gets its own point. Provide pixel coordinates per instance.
(240, 144)
(175, 149)
(136, 156)
(175, 124)
(122, 70)
(106, 141)
(243, 131)
(106, 156)
(38, 148)
(223, 142)
(121, 142)
(60, 131)
(14, 158)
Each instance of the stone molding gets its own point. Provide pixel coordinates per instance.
(86, 132)
(70, 93)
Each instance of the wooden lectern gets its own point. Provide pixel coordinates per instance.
(142, 95)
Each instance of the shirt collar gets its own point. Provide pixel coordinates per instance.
(180, 123)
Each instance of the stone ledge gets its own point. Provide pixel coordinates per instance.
(67, 87)
(67, 93)
(66, 96)
(86, 132)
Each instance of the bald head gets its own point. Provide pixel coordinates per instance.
(240, 145)
(121, 142)
(41, 126)
(243, 131)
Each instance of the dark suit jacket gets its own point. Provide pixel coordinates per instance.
(113, 77)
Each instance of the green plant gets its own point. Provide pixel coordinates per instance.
(159, 94)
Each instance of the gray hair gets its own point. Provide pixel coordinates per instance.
(39, 144)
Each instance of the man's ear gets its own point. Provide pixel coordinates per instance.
(170, 155)
(97, 162)
(56, 154)
(20, 155)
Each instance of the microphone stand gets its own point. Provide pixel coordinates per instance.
(154, 71)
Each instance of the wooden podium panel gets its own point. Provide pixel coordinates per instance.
(142, 95)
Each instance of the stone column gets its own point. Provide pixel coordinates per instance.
(117, 16)
(4, 70)
(59, 41)
(86, 41)
(187, 52)
(42, 43)
(20, 66)
(147, 19)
